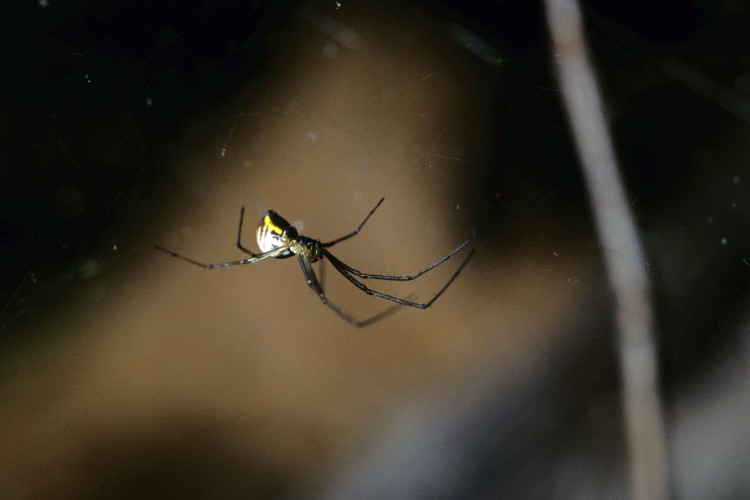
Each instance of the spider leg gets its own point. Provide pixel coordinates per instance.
(250, 260)
(239, 235)
(356, 231)
(419, 305)
(314, 284)
(336, 262)
(322, 273)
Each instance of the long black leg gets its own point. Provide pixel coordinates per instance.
(356, 231)
(322, 273)
(250, 260)
(388, 277)
(239, 235)
(419, 305)
(312, 282)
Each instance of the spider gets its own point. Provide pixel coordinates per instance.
(280, 240)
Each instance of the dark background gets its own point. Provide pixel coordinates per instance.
(97, 98)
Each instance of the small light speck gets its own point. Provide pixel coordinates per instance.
(724, 241)
(330, 50)
(736, 179)
(338, 5)
(734, 204)
(149, 102)
(43, 4)
(87, 77)
(458, 206)
(312, 136)
(114, 247)
(89, 268)
(555, 254)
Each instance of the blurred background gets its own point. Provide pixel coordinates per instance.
(127, 373)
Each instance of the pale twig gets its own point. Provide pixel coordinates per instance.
(624, 256)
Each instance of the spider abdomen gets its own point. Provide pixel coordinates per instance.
(274, 232)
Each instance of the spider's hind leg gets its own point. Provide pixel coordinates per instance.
(347, 273)
(314, 284)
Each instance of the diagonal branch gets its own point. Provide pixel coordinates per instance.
(624, 258)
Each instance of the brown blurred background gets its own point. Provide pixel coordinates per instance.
(126, 373)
